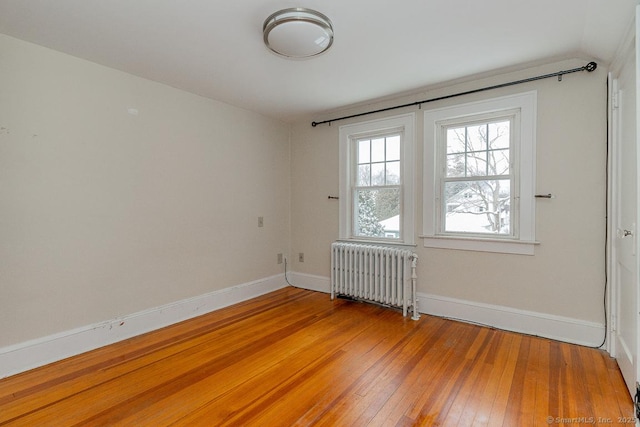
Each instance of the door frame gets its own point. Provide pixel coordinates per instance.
(630, 44)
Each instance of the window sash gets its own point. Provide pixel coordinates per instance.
(385, 160)
(485, 210)
(443, 155)
(355, 217)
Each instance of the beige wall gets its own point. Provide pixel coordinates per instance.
(103, 213)
(566, 275)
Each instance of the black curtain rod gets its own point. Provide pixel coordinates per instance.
(591, 66)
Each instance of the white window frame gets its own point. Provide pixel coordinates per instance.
(513, 118)
(348, 136)
(523, 151)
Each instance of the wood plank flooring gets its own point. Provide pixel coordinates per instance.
(295, 358)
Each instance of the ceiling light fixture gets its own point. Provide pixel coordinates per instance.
(298, 32)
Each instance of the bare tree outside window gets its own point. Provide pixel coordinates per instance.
(377, 187)
(477, 182)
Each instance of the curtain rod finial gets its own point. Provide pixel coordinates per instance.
(591, 66)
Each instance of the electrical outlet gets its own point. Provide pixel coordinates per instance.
(279, 258)
(260, 221)
(301, 257)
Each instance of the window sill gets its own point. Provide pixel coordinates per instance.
(518, 247)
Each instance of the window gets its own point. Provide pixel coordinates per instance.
(476, 186)
(479, 175)
(376, 180)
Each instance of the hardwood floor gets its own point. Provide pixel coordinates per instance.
(294, 357)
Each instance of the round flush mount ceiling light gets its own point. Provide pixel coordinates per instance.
(298, 32)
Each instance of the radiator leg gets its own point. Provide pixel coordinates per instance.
(414, 291)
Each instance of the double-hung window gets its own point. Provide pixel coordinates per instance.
(376, 180)
(479, 164)
(478, 183)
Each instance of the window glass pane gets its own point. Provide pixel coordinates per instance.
(455, 140)
(377, 150)
(364, 151)
(364, 175)
(378, 213)
(477, 164)
(387, 207)
(499, 135)
(478, 207)
(393, 173)
(393, 148)
(499, 162)
(477, 137)
(455, 165)
(377, 174)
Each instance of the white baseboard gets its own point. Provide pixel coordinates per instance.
(309, 281)
(527, 322)
(32, 354)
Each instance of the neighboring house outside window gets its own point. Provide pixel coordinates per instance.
(479, 165)
(477, 184)
(376, 180)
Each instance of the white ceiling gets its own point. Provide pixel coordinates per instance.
(214, 48)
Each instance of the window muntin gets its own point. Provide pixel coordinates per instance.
(377, 187)
(477, 183)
